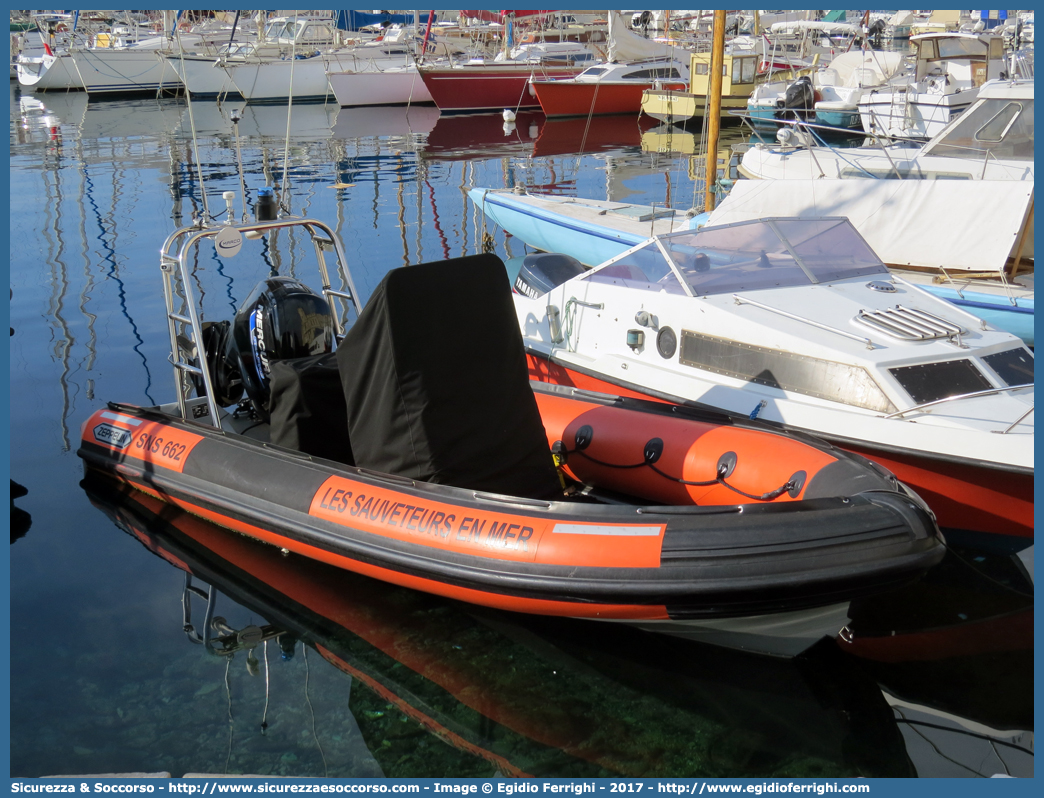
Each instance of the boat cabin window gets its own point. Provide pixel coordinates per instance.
(590, 72)
(277, 30)
(929, 382)
(1013, 366)
(704, 69)
(653, 74)
(644, 269)
(1002, 128)
(955, 47)
(744, 69)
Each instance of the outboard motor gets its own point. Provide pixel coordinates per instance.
(222, 363)
(542, 271)
(281, 319)
(798, 102)
(876, 31)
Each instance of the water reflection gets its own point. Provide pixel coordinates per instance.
(448, 688)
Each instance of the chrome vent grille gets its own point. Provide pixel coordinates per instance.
(909, 324)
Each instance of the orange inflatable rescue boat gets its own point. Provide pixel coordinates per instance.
(402, 451)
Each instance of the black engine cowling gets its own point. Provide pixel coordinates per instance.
(542, 271)
(799, 100)
(282, 318)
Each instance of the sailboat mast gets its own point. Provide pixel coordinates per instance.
(714, 109)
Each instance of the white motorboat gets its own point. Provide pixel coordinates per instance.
(836, 89)
(949, 69)
(992, 140)
(798, 321)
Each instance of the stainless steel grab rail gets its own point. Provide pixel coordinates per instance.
(743, 301)
(958, 397)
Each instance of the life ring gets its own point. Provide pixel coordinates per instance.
(61, 27)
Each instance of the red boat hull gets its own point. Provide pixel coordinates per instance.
(482, 87)
(566, 98)
(962, 496)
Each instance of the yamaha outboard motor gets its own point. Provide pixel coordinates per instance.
(798, 102)
(542, 271)
(281, 319)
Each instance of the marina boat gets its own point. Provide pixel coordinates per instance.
(48, 72)
(928, 232)
(993, 140)
(940, 248)
(949, 68)
(634, 64)
(289, 59)
(758, 541)
(609, 88)
(820, 338)
(379, 73)
(139, 68)
(835, 90)
(681, 106)
(392, 86)
(473, 87)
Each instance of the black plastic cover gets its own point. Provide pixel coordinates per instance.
(542, 271)
(308, 408)
(436, 382)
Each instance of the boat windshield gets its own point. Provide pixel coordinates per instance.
(748, 256)
(999, 127)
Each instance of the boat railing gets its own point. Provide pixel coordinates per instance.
(183, 316)
(880, 139)
(972, 395)
(739, 300)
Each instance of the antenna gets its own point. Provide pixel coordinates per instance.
(235, 116)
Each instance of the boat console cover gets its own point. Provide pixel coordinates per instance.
(436, 382)
(308, 407)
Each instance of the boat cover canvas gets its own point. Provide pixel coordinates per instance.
(864, 68)
(436, 382)
(960, 225)
(308, 408)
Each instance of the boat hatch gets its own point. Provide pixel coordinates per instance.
(909, 324)
(643, 213)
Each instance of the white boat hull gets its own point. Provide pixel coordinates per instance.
(919, 116)
(48, 73)
(127, 70)
(278, 81)
(203, 77)
(390, 87)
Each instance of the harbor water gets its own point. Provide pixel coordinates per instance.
(114, 664)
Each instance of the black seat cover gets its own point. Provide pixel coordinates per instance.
(436, 383)
(307, 407)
